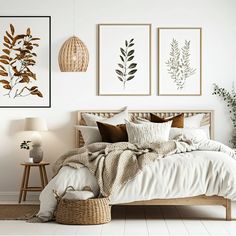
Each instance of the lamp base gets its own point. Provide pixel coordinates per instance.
(36, 153)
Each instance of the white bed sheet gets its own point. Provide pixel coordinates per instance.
(175, 176)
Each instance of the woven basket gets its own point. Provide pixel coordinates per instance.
(83, 212)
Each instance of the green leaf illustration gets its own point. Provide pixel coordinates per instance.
(130, 58)
(120, 65)
(127, 68)
(131, 77)
(133, 65)
(132, 72)
(119, 72)
(178, 64)
(130, 52)
(123, 51)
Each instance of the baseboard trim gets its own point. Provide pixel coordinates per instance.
(13, 196)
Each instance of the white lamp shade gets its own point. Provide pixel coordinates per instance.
(35, 124)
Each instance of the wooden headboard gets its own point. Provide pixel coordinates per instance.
(208, 119)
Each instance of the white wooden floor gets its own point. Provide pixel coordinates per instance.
(136, 220)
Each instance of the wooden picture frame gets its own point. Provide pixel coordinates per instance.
(124, 63)
(179, 61)
(25, 62)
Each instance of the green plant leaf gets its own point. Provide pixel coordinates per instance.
(132, 72)
(132, 44)
(123, 51)
(131, 40)
(133, 65)
(119, 72)
(120, 65)
(131, 77)
(130, 52)
(122, 59)
(130, 58)
(126, 43)
(120, 78)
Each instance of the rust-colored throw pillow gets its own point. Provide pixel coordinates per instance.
(113, 133)
(177, 121)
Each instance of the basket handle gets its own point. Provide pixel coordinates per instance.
(59, 197)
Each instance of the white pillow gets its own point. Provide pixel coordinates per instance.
(148, 132)
(91, 120)
(139, 120)
(190, 122)
(206, 129)
(90, 134)
(188, 133)
(193, 121)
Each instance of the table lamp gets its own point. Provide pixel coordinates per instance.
(36, 124)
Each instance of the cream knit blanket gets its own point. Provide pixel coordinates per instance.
(115, 164)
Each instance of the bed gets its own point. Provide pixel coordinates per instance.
(167, 182)
(208, 119)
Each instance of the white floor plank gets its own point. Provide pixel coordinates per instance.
(216, 228)
(195, 226)
(173, 221)
(92, 230)
(117, 225)
(16, 227)
(155, 222)
(133, 220)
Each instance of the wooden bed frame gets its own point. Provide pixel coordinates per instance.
(208, 119)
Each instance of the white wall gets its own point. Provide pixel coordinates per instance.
(74, 91)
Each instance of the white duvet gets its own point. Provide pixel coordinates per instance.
(175, 176)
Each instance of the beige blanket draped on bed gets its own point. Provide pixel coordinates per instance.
(115, 164)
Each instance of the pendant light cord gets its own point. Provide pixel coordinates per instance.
(73, 17)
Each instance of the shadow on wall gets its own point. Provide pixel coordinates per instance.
(56, 141)
(15, 126)
(61, 138)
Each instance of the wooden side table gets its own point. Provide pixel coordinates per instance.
(25, 180)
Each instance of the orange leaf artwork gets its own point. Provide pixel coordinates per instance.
(17, 61)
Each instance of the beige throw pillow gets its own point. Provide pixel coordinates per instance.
(148, 132)
(119, 118)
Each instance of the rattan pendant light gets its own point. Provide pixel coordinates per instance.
(73, 55)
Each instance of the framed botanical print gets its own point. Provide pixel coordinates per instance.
(25, 61)
(124, 59)
(179, 61)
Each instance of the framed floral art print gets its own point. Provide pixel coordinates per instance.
(124, 59)
(179, 61)
(25, 61)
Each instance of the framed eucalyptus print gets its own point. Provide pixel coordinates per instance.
(25, 61)
(179, 58)
(124, 59)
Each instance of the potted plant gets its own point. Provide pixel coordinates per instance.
(230, 100)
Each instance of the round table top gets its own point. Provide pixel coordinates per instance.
(42, 163)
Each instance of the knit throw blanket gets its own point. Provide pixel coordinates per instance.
(115, 164)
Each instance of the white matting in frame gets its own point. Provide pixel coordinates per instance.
(25, 61)
(124, 59)
(179, 61)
